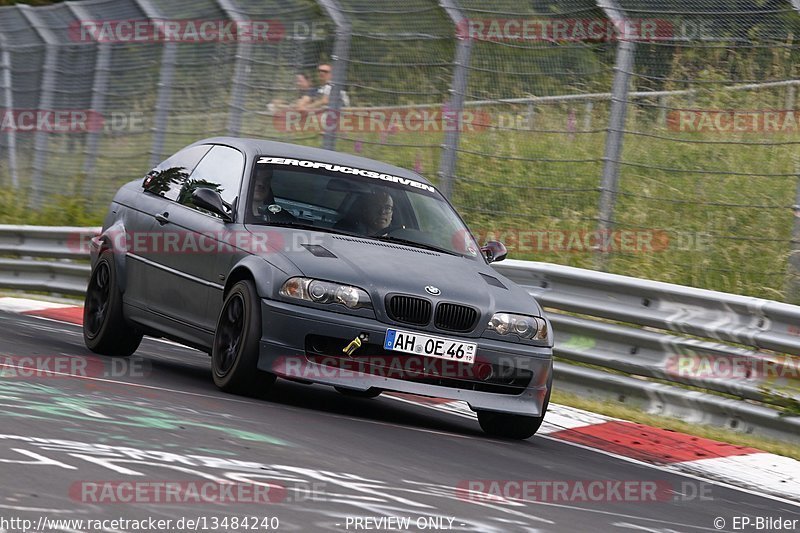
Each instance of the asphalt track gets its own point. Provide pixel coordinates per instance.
(328, 459)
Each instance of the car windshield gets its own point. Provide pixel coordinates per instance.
(355, 201)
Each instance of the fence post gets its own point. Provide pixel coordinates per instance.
(792, 286)
(99, 89)
(791, 97)
(662, 110)
(244, 52)
(452, 113)
(8, 106)
(616, 124)
(49, 74)
(164, 97)
(587, 116)
(339, 59)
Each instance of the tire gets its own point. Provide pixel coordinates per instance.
(511, 426)
(105, 330)
(369, 393)
(234, 355)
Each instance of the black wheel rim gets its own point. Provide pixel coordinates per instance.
(229, 334)
(97, 298)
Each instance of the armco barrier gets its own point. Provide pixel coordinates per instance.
(619, 330)
(47, 259)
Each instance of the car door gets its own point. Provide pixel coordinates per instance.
(160, 189)
(189, 255)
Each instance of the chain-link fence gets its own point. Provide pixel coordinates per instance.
(656, 138)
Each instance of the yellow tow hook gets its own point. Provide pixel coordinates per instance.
(355, 344)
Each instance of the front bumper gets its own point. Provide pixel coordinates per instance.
(289, 348)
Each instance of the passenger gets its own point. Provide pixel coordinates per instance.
(370, 215)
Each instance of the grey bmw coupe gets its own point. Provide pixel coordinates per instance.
(319, 267)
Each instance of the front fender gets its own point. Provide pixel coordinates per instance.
(267, 277)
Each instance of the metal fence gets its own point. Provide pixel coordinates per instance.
(656, 138)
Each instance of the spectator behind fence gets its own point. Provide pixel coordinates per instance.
(321, 96)
(305, 93)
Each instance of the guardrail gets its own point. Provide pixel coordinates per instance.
(44, 258)
(737, 354)
(614, 333)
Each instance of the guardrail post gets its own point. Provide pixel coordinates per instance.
(244, 52)
(49, 74)
(99, 89)
(8, 107)
(616, 124)
(339, 59)
(164, 98)
(452, 115)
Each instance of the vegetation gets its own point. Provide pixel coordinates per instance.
(704, 208)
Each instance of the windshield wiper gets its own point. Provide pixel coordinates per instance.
(398, 240)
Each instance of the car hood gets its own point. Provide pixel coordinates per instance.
(382, 268)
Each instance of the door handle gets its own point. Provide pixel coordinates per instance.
(162, 218)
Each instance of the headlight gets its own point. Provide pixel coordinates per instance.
(526, 327)
(324, 292)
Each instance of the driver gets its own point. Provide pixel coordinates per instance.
(263, 202)
(262, 190)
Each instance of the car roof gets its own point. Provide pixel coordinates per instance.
(256, 147)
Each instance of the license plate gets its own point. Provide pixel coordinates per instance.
(419, 344)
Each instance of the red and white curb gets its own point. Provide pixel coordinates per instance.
(56, 311)
(739, 466)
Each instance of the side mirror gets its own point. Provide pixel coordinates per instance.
(494, 251)
(211, 200)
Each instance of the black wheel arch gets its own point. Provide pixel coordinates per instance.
(108, 242)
